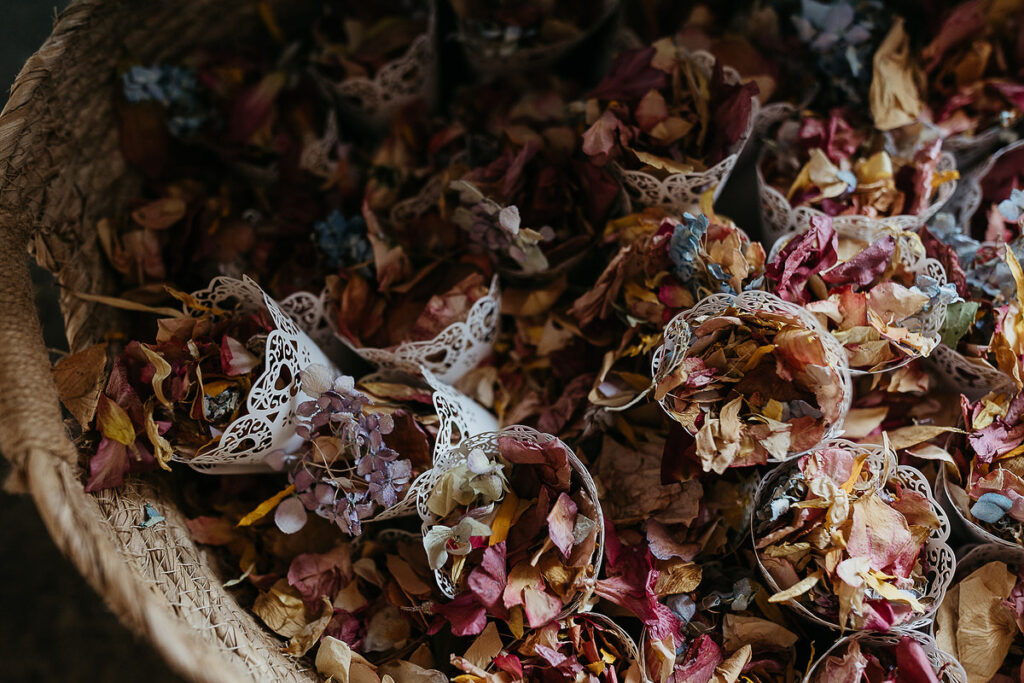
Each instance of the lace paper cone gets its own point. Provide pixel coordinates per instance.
(972, 149)
(947, 669)
(779, 218)
(682, 191)
(459, 418)
(954, 499)
(938, 558)
(678, 337)
(972, 377)
(374, 101)
(269, 422)
(488, 442)
(498, 52)
(968, 200)
(927, 323)
(451, 354)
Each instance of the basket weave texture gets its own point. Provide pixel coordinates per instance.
(60, 171)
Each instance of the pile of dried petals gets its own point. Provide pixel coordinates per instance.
(663, 266)
(841, 535)
(513, 529)
(176, 395)
(728, 632)
(858, 660)
(753, 382)
(834, 165)
(586, 647)
(987, 485)
(972, 65)
(656, 110)
(860, 289)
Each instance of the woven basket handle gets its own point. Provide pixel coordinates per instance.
(30, 416)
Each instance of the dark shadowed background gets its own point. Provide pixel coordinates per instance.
(53, 627)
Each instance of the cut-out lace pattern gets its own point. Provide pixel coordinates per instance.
(269, 422)
(682, 191)
(456, 350)
(779, 218)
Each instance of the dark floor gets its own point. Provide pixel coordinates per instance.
(53, 627)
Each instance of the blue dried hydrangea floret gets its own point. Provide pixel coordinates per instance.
(343, 240)
(684, 246)
(1013, 207)
(936, 293)
(844, 36)
(174, 87)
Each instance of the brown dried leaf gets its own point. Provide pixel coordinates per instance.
(281, 609)
(79, 379)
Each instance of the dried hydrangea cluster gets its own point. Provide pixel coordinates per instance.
(660, 493)
(844, 536)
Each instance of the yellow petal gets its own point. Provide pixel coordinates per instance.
(799, 588)
(266, 506)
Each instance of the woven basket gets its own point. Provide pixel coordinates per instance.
(61, 170)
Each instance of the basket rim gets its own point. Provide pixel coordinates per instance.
(32, 431)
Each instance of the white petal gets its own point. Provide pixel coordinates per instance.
(434, 543)
(290, 515)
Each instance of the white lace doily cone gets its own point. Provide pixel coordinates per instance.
(971, 149)
(927, 323)
(682, 191)
(413, 76)
(488, 442)
(269, 422)
(307, 311)
(489, 57)
(968, 200)
(973, 378)
(677, 339)
(966, 525)
(938, 557)
(459, 417)
(946, 667)
(451, 354)
(779, 218)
